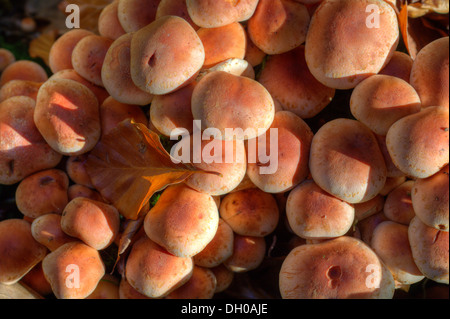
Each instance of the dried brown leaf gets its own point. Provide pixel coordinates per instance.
(424, 7)
(40, 47)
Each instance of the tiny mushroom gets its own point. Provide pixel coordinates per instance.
(47, 231)
(248, 254)
(6, 58)
(175, 8)
(370, 208)
(76, 170)
(398, 206)
(224, 278)
(107, 289)
(136, 14)
(108, 22)
(23, 70)
(201, 285)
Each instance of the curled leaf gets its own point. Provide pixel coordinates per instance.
(424, 7)
(40, 47)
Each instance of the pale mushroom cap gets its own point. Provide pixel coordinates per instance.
(418, 143)
(19, 88)
(72, 264)
(217, 13)
(390, 242)
(250, 212)
(430, 250)
(183, 221)
(346, 161)
(154, 272)
(278, 26)
(341, 50)
(19, 252)
(430, 199)
(430, 73)
(47, 231)
(116, 73)
(287, 77)
(108, 22)
(136, 14)
(162, 64)
(219, 103)
(399, 66)
(382, 100)
(43, 193)
(314, 214)
(23, 70)
(398, 206)
(224, 278)
(23, 149)
(67, 116)
(248, 254)
(233, 66)
(342, 268)
(95, 223)
(293, 151)
(201, 285)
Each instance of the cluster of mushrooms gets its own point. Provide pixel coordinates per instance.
(365, 200)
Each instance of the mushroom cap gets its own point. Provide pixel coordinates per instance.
(108, 22)
(201, 285)
(35, 279)
(341, 50)
(23, 150)
(67, 116)
(398, 206)
(116, 73)
(77, 190)
(254, 55)
(314, 214)
(390, 242)
(430, 250)
(218, 101)
(107, 289)
(234, 66)
(126, 291)
(60, 56)
(44, 192)
(391, 184)
(430, 73)
(224, 278)
(19, 252)
(346, 161)
(418, 143)
(19, 88)
(171, 111)
(219, 249)
(399, 66)
(248, 254)
(250, 212)
(218, 13)
(23, 70)
(6, 58)
(136, 14)
(382, 100)
(430, 199)
(370, 208)
(287, 77)
(162, 64)
(95, 223)
(368, 225)
(175, 8)
(278, 26)
(183, 221)
(392, 170)
(293, 147)
(76, 170)
(223, 43)
(154, 272)
(72, 264)
(341, 268)
(88, 57)
(47, 231)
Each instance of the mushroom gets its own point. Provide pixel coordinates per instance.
(314, 214)
(382, 100)
(370, 208)
(223, 43)
(287, 77)
(126, 291)
(201, 285)
(136, 14)
(250, 212)
(35, 279)
(77, 190)
(88, 57)
(23, 70)
(399, 66)
(342, 51)
(392, 170)
(154, 272)
(107, 289)
(19, 252)
(254, 55)
(19, 88)
(43, 193)
(430, 250)
(67, 116)
(367, 226)
(398, 206)
(430, 73)
(288, 167)
(47, 231)
(342, 268)
(418, 143)
(218, 102)
(23, 151)
(430, 199)
(108, 22)
(278, 26)
(95, 223)
(346, 161)
(234, 66)
(6, 58)
(76, 170)
(248, 254)
(224, 278)
(60, 56)
(390, 242)
(219, 249)
(116, 74)
(219, 13)
(175, 8)
(183, 221)
(162, 64)
(391, 184)
(73, 270)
